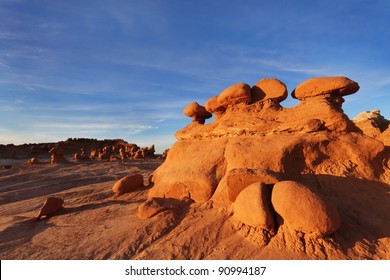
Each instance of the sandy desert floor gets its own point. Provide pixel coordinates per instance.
(95, 224)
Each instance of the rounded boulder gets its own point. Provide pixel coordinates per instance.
(269, 88)
(128, 183)
(304, 210)
(235, 94)
(253, 206)
(212, 105)
(336, 86)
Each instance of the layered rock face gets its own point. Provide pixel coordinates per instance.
(253, 139)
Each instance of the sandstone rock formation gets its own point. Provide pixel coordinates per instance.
(128, 183)
(304, 210)
(333, 86)
(372, 123)
(57, 154)
(51, 206)
(254, 140)
(213, 106)
(269, 88)
(235, 94)
(198, 113)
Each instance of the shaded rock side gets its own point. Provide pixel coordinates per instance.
(253, 206)
(192, 170)
(303, 210)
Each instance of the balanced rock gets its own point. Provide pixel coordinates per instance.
(304, 210)
(50, 207)
(213, 106)
(269, 88)
(253, 206)
(128, 183)
(57, 154)
(198, 113)
(335, 86)
(235, 94)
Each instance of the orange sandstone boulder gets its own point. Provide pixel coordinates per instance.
(238, 93)
(198, 113)
(304, 210)
(213, 106)
(269, 88)
(128, 184)
(51, 206)
(253, 206)
(336, 86)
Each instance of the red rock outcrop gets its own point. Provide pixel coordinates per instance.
(57, 154)
(254, 141)
(314, 137)
(198, 113)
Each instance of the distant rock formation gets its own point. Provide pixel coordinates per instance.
(254, 143)
(372, 123)
(57, 154)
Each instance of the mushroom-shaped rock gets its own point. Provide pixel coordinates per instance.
(51, 206)
(253, 206)
(198, 113)
(269, 88)
(128, 184)
(238, 93)
(304, 210)
(336, 86)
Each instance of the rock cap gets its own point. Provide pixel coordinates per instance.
(269, 88)
(235, 94)
(336, 86)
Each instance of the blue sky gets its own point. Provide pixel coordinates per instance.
(126, 69)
